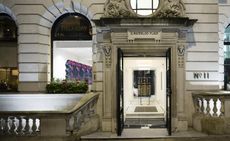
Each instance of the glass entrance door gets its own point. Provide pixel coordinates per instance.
(168, 91)
(120, 93)
(143, 77)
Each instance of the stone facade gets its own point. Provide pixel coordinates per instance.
(203, 45)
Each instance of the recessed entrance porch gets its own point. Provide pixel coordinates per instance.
(144, 89)
(144, 92)
(140, 37)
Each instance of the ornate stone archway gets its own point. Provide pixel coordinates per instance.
(40, 41)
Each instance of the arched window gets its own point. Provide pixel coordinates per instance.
(227, 58)
(72, 48)
(144, 8)
(8, 28)
(8, 54)
(72, 27)
(227, 36)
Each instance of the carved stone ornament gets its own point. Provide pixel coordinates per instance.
(107, 51)
(180, 49)
(117, 8)
(167, 8)
(170, 8)
(180, 55)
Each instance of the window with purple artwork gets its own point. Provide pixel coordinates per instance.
(72, 48)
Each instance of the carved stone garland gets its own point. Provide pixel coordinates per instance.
(171, 8)
(167, 8)
(117, 8)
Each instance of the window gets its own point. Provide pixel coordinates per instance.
(8, 54)
(8, 29)
(144, 8)
(227, 36)
(73, 27)
(72, 48)
(227, 59)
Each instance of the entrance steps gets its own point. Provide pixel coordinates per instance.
(153, 135)
(132, 113)
(152, 115)
(140, 119)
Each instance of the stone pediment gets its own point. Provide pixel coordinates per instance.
(146, 21)
(122, 9)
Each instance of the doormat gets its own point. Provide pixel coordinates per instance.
(145, 109)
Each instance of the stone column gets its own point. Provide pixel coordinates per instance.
(108, 87)
(107, 101)
(182, 123)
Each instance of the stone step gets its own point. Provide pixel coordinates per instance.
(210, 138)
(145, 115)
(140, 123)
(147, 118)
(154, 135)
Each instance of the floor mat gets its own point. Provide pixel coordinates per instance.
(145, 109)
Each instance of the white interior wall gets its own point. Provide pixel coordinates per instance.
(69, 50)
(158, 64)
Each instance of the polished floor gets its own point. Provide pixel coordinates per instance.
(145, 113)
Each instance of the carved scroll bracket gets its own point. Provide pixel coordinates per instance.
(107, 49)
(181, 47)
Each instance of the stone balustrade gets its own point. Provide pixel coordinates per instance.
(212, 112)
(209, 104)
(19, 125)
(70, 118)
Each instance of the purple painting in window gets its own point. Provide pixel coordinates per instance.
(78, 71)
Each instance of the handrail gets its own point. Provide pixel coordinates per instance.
(212, 93)
(81, 113)
(84, 101)
(26, 123)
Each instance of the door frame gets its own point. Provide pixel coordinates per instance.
(120, 125)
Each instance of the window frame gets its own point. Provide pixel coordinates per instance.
(53, 29)
(152, 9)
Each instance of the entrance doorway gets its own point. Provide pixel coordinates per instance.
(144, 91)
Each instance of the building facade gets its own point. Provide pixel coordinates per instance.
(186, 38)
